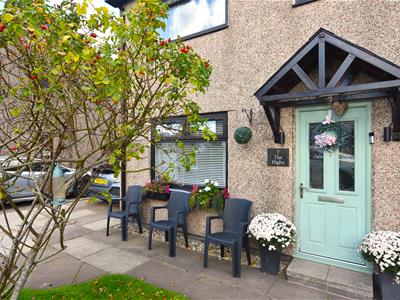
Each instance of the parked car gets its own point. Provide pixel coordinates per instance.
(23, 187)
(104, 181)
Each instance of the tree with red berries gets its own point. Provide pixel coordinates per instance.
(82, 91)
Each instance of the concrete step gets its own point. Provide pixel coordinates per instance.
(343, 282)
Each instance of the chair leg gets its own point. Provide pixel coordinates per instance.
(172, 242)
(166, 236)
(247, 245)
(124, 228)
(222, 251)
(150, 236)
(236, 260)
(139, 222)
(205, 259)
(186, 235)
(108, 226)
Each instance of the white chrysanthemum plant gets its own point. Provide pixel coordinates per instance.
(272, 230)
(383, 249)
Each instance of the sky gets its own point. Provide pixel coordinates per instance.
(96, 3)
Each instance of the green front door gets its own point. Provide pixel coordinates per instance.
(333, 189)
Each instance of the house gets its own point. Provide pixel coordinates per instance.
(278, 68)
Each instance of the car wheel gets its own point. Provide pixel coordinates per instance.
(80, 186)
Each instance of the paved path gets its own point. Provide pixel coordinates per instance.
(91, 254)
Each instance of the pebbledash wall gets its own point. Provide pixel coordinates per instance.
(261, 36)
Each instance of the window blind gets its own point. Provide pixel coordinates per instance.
(210, 162)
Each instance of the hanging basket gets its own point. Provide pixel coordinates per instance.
(243, 135)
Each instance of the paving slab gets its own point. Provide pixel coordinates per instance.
(101, 224)
(210, 289)
(81, 213)
(350, 283)
(114, 260)
(288, 291)
(70, 232)
(81, 247)
(251, 279)
(87, 272)
(54, 273)
(163, 276)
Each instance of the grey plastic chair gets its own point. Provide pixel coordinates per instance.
(132, 200)
(177, 210)
(236, 218)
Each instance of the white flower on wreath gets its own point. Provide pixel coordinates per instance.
(207, 189)
(206, 181)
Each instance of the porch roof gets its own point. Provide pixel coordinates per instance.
(336, 63)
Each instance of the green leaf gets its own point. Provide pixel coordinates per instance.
(15, 111)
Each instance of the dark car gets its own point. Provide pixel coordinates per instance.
(104, 181)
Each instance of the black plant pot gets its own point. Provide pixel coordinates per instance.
(158, 196)
(388, 288)
(270, 260)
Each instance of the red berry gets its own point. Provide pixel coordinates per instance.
(184, 50)
(98, 56)
(33, 77)
(2, 27)
(44, 27)
(206, 65)
(93, 35)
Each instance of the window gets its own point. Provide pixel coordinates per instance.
(211, 157)
(301, 2)
(192, 18)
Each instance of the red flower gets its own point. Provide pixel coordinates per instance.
(93, 35)
(13, 148)
(2, 27)
(169, 40)
(33, 77)
(167, 189)
(44, 27)
(195, 188)
(163, 43)
(98, 56)
(225, 194)
(184, 50)
(206, 65)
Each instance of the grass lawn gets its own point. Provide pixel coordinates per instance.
(106, 287)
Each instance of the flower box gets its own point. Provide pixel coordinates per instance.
(158, 196)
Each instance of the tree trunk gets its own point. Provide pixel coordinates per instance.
(29, 262)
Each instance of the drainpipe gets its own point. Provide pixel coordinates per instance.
(123, 150)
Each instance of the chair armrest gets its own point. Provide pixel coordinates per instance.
(208, 223)
(153, 212)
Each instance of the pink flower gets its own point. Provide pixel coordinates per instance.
(195, 188)
(323, 140)
(167, 189)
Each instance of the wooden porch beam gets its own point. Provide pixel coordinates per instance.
(324, 99)
(276, 77)
(342, 69)
(271, 120)
(375, 61)
(304, 77)
(382, 85)
(321, 62)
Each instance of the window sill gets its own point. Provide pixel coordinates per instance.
(301, 2)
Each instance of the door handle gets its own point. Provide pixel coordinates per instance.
(302, 188)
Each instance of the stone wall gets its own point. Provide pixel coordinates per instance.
(262, 35)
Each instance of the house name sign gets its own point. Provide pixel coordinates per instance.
(278, 157)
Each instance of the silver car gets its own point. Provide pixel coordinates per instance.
(22, 187)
